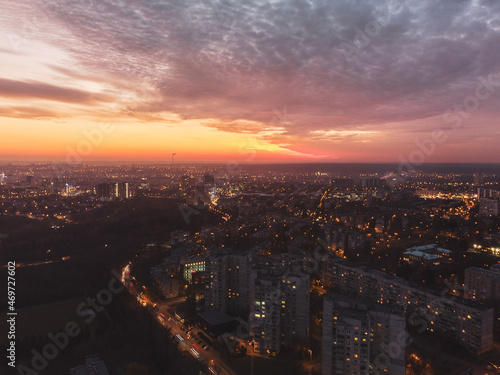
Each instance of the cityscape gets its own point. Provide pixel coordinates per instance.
(307, 187)
(308, 269)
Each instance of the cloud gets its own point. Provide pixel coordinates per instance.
(39, 90)
(27, 113)
(338, 66)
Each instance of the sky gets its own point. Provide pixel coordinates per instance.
(250, 81)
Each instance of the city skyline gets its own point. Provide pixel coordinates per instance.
(264, 82)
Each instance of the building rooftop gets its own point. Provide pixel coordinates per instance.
(215, 317)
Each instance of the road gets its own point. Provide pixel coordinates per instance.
(211, 358)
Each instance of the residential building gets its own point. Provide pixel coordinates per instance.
(356, 335)
(190, 266)
(481, 284)
(489, 201)
(279, 308)
(464, 321)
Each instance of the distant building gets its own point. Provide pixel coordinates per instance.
(179, 237)
(370, 182)
(478, 179)
(481, 284)
(427, 255)
(356, 334)
(123, 190)
(350, 243)
(106, 190)
(342, 183)
(186, 185)
(93, 366)
(489, 201)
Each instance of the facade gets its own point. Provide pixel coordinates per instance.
(106, 190)
(463, 321)
(265, 311)
(294, 307)
(481, 284)
(350, 243)
(489, 201)
(190, 266)
(227, 275)
(168, 285)
(123, 190)
(216, 282)
(279, 308)
(355, 333)
(238, 278)
(478, 178)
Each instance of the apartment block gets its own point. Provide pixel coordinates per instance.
(227, 276)
(357, 335)
(464, 321)
(279, 308)
(481, 284)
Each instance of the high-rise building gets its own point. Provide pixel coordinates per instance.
(356, 335)
(265, 310)
(123, 190)
(481, 284)
(106, 190)
(227, 281)
(489, 201)
(185, 185)
(478, 179)
(294, 307)
(238, 274)
(216, 281)
(279, 308)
